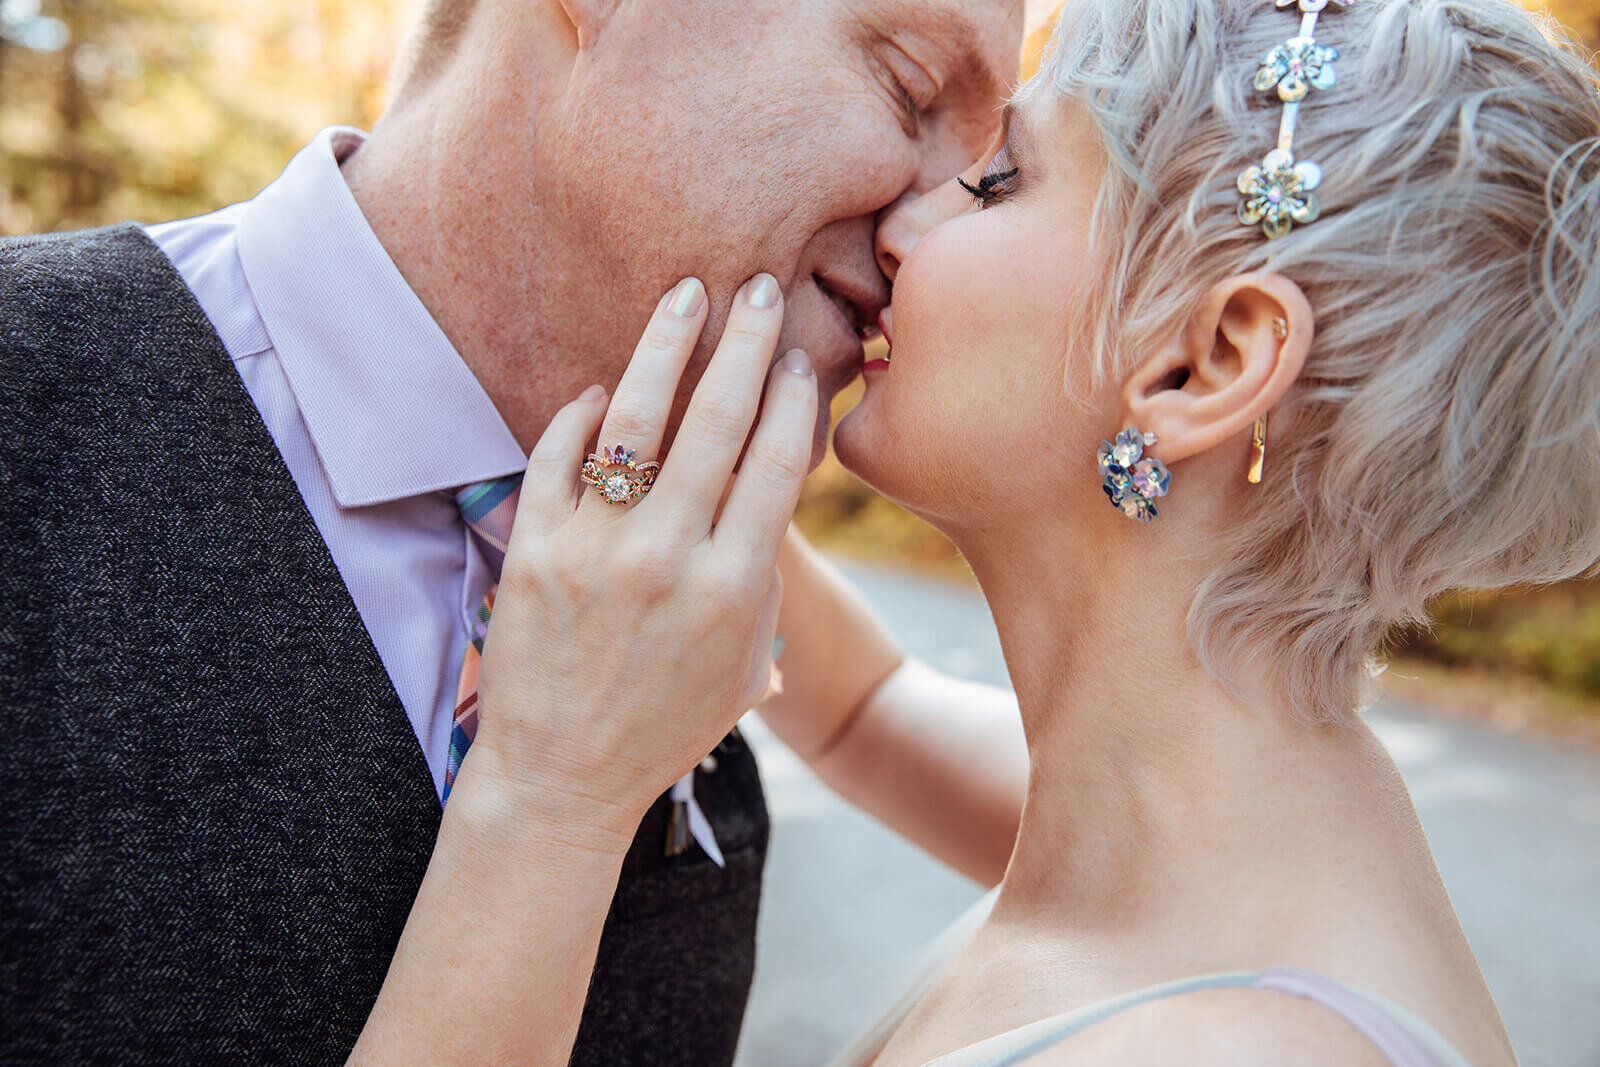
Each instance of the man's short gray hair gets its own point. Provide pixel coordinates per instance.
(1445, 432)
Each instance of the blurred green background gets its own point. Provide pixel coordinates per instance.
(155, 109)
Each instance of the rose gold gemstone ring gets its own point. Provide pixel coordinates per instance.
(617, 476)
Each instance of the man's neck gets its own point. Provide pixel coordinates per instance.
(473, 241)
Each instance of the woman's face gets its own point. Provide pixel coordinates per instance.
(972, 418)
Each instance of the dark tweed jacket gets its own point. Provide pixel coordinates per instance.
(214, 814)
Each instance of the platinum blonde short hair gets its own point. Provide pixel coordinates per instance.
(1445, 432)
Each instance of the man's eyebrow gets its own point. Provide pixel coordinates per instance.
(961, 31)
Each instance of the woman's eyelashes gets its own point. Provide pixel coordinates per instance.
(997, 182)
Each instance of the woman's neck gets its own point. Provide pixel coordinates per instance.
(1150, 782)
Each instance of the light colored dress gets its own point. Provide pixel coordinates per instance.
(1400, 1035)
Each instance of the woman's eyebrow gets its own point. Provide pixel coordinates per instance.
(1014, 134)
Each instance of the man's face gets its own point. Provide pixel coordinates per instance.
(725, 137)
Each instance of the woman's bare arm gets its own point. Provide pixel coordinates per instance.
(941, 760)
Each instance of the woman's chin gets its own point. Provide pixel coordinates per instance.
(851, 446)
(865, 447)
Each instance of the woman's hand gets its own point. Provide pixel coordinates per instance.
(624, 644)
(627, 640)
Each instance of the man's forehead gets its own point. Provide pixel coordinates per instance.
(987, 18)
(985, 35)
(982, 21)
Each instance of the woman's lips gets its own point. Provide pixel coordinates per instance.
(885, 325)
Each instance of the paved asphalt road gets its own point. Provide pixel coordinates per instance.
(1514, 823)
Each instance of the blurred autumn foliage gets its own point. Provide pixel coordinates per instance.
(155, 109)
(1583, 16)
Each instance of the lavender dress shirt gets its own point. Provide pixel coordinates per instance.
(374, 411)
(376, 415)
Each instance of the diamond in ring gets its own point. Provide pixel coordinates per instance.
(617, 488)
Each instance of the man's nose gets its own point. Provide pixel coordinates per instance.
(904, 222)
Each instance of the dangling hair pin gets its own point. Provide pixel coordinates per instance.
(1278, 193)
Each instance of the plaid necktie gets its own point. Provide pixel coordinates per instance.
(489, 509)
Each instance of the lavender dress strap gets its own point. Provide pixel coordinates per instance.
(1397, 1033)
(1405, 1039)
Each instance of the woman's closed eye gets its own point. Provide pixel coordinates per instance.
(997, 182)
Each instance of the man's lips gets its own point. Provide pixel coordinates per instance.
(856, 305)
(856, 308)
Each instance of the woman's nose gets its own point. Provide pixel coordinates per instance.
(906, 221)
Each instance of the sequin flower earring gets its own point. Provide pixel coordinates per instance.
(1131, 479)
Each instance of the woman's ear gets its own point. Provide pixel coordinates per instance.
(1244, 346)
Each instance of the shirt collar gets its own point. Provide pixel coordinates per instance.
(388, 402)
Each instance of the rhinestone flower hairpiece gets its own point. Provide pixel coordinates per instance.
(1279, 193)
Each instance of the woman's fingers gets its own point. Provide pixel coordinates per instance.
(643, 398)
(585, 679)
(550, 486)
(717, 423)
(768, 484)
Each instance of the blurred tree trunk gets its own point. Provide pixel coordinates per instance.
(72, 108)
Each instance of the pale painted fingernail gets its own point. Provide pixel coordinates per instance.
(797, 362)
(593, 394)
(687, 300)
(763, 291)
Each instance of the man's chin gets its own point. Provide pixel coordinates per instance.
(828, 389)
(819, 441)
